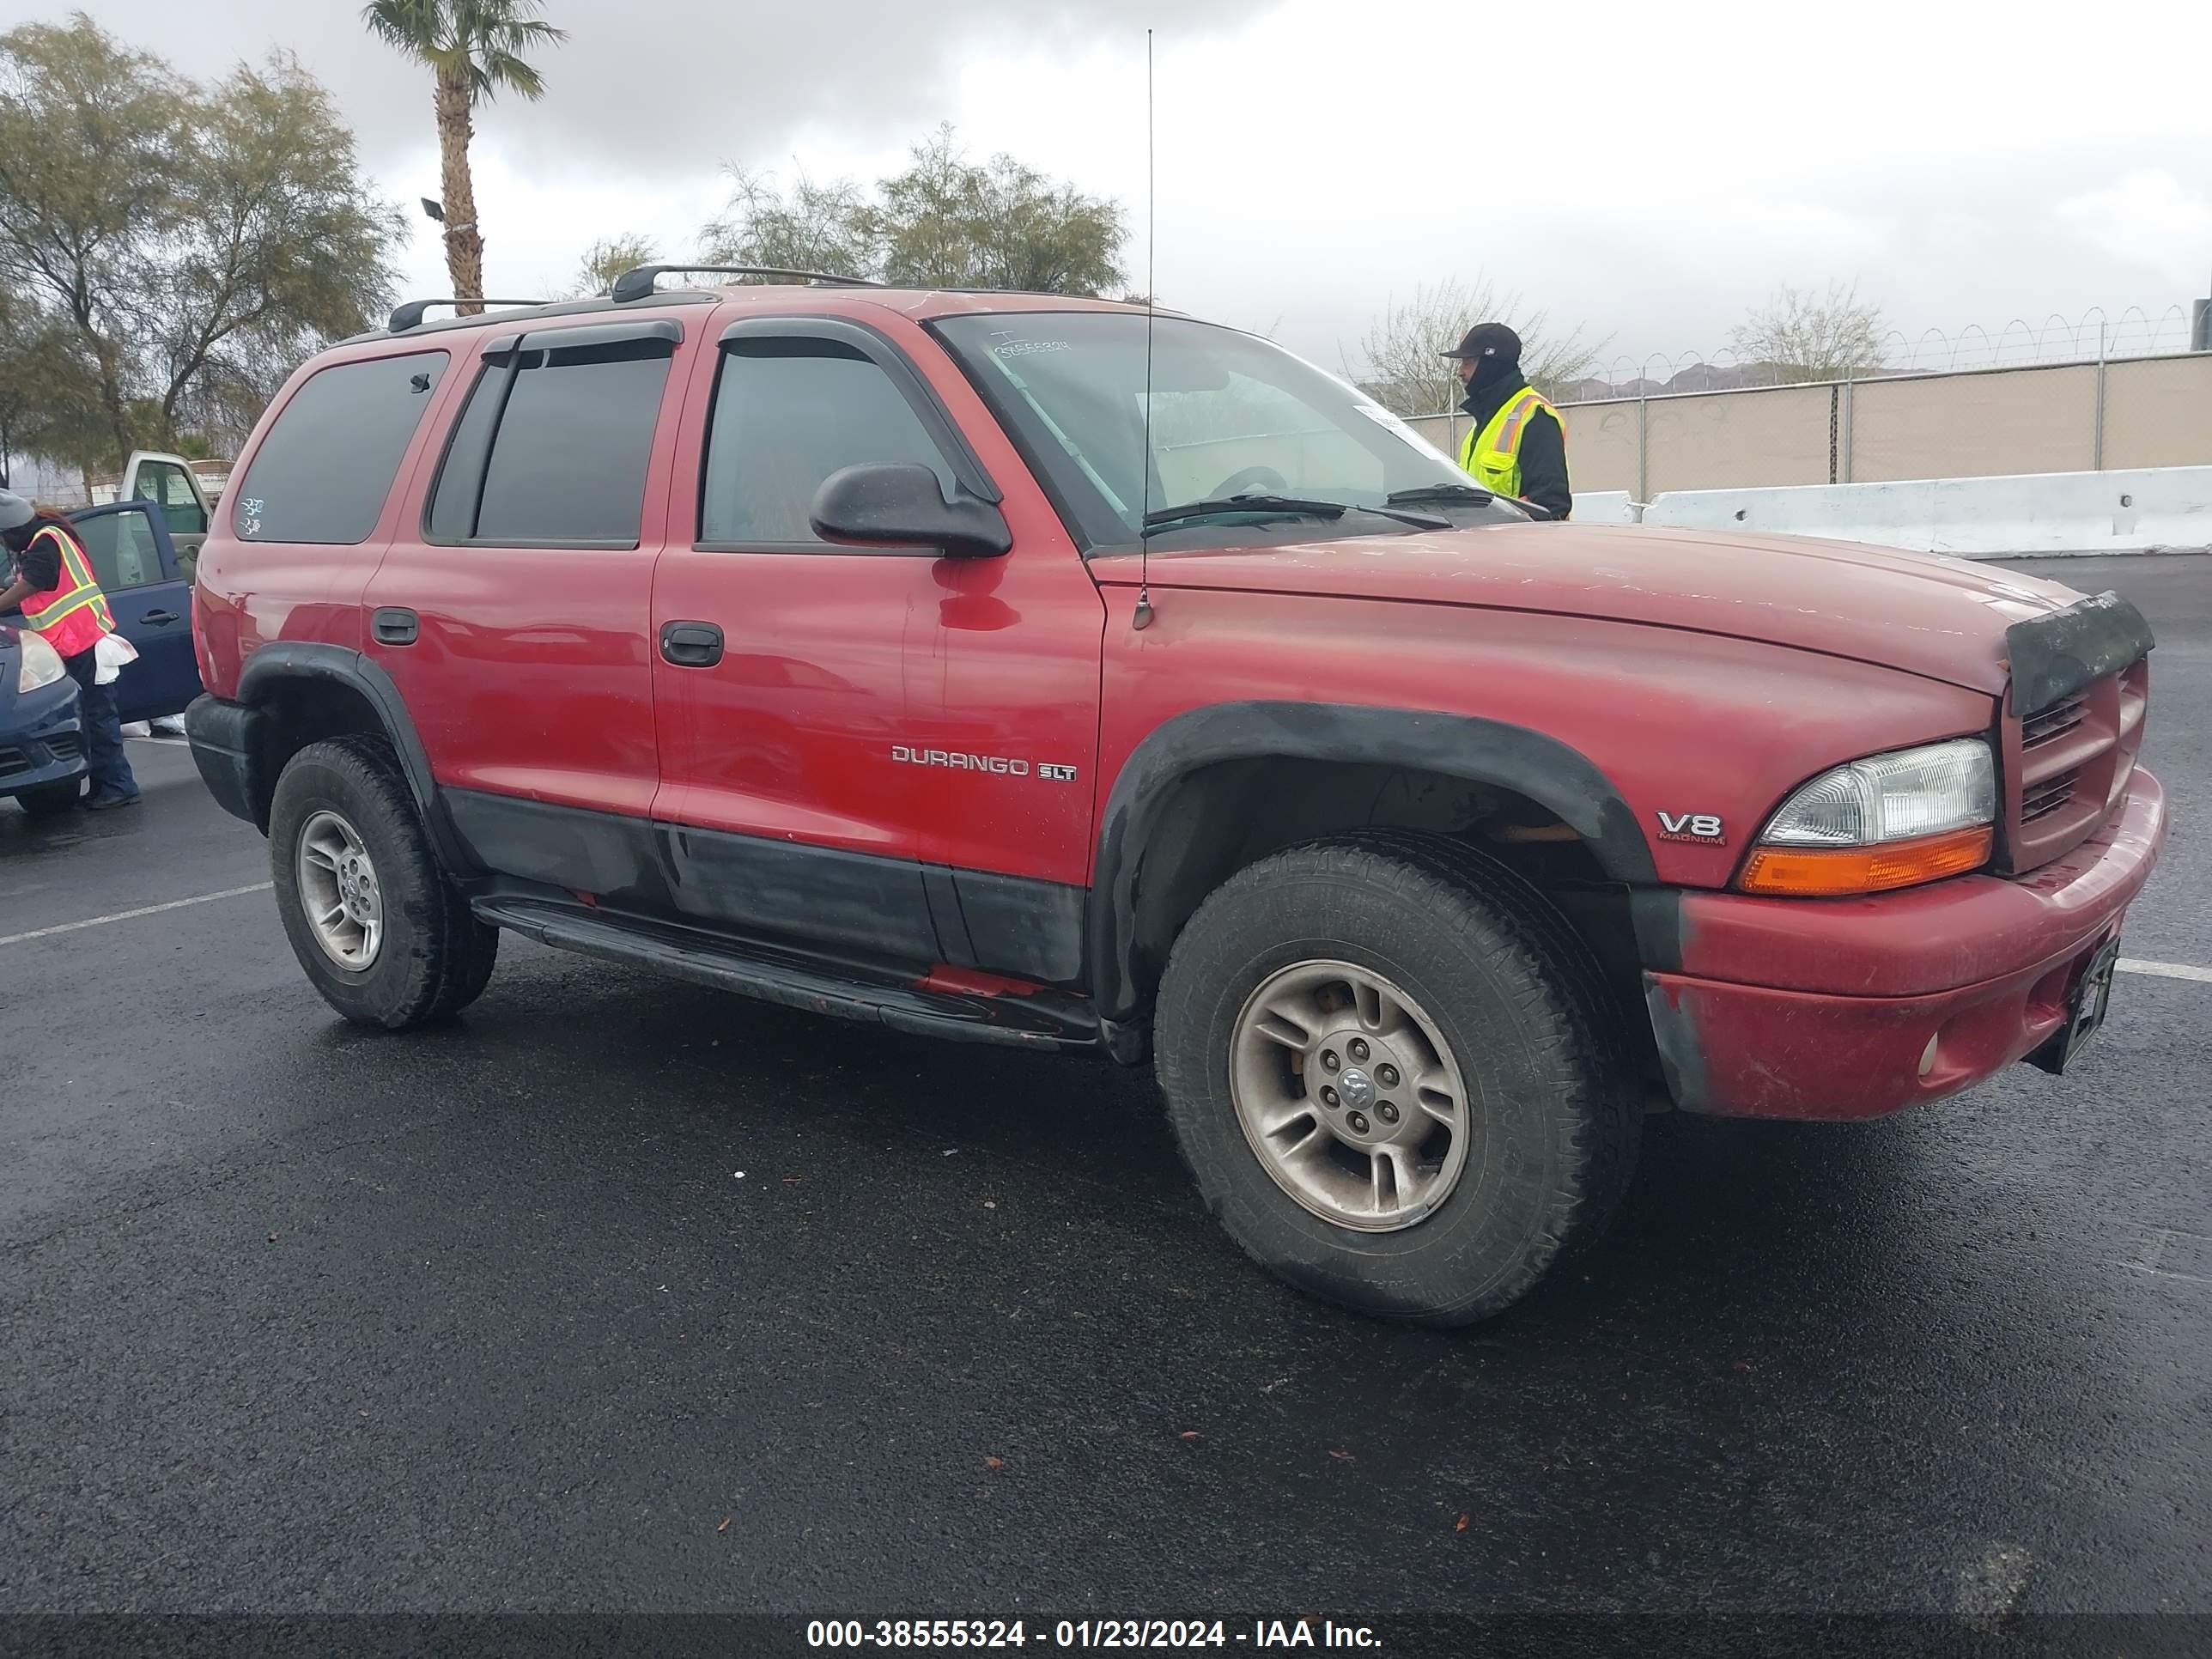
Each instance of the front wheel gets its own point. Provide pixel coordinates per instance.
(380, 931)
(1389, 1065)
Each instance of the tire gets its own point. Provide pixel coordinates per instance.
(1498, 1003)
(430, 957)
(51, 800)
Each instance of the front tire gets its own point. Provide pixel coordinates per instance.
(374, 922)
(1390, 1066)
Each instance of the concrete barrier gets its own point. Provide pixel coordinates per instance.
(2154, 510)
(1603, 507)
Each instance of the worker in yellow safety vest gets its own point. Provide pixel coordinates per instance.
(62, 604)
(1516, 444)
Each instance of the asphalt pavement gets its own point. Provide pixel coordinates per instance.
(627, 1296)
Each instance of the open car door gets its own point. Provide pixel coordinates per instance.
(136, 565)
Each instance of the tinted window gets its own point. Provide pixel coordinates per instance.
(120, 546)
(787, 414)
(454, 503)
(323, 471)
(568, 433)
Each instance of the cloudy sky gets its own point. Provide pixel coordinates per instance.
(1649, 171)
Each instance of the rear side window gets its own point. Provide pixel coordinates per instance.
(787, 414)
(553, 447)
(324, 469)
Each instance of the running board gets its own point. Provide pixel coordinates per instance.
(1048, 1020)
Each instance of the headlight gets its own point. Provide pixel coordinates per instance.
(1889, 821)
(41, 664)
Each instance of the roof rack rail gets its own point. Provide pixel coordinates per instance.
(410, 314)
(636, 285)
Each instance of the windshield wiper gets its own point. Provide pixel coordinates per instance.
(1451, 492)
(1287, 506)
(1295, 505)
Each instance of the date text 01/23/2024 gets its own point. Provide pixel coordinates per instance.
(1122, 1633)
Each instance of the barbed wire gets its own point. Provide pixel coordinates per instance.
(2135, 332)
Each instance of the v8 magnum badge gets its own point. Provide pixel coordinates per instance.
(1702, 828)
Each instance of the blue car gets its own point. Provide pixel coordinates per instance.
(149, 592)
(41, 747)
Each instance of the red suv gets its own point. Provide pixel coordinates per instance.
(1024, 670)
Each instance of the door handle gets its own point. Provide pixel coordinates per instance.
(394, 624)
(690, 644)
(158, 618)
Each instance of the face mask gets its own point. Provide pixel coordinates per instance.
(1489, 371)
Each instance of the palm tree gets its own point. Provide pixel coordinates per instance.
(474, 48)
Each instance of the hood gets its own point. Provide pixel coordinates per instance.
(1941, 618)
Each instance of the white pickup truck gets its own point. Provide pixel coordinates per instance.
(183, 493)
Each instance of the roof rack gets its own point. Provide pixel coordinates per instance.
(410, 314)
(636, 284)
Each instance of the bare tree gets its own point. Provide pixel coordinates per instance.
(1802, 335)
(1407, 371)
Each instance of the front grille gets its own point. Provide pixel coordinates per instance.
(12, 761)
(2042, 726)
(2073, 759)
(64, 746)
(2041, 800)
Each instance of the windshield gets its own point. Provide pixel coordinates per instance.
(1233, 415)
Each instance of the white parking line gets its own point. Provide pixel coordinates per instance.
(143, 910)
(2126, 965)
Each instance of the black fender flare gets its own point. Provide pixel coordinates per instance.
(1562, 779)
(283, 660)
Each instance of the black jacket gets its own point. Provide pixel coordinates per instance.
(41, 563)
(1543, 445)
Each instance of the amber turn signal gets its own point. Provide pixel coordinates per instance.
(1830, 872)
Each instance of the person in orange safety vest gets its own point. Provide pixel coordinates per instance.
(62, 604)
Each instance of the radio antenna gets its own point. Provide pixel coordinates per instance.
(1142, 616)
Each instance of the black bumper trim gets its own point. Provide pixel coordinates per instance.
(220, 736)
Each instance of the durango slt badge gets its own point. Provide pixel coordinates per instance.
(961, 762)
(1704, 827)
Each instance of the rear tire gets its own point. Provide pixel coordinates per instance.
(51, 800)
(1481, 1025)
(374, 924)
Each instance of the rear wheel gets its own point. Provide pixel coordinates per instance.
(1390, 1065)
(372, 920)
(49, 799)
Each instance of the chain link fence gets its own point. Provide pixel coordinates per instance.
(2136, 332)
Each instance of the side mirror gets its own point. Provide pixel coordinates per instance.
(902, 505)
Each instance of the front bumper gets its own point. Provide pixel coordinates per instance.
(221, 737)
(1849, 1008)
(44, 743)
